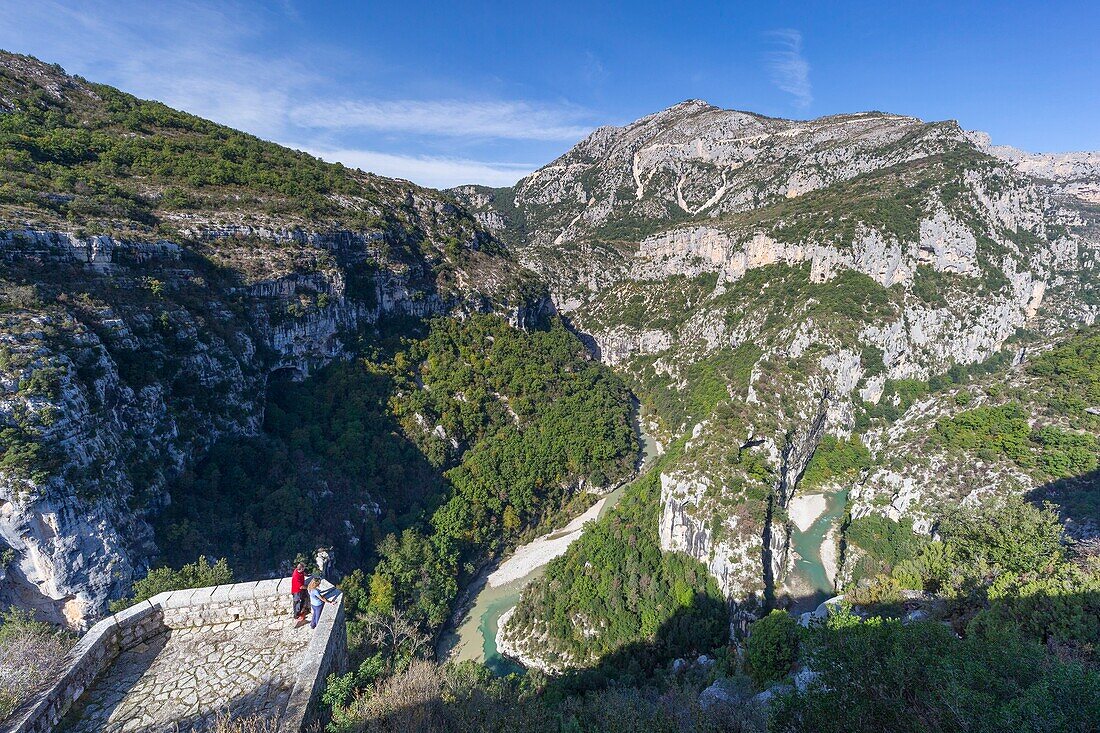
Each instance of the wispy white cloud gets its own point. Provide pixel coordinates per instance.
(789, 69)
(202, 57)
(160, 56)
(289, 10)
(507, 119)
(593, 71)
(437, 172)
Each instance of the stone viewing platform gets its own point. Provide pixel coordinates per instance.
(182, 659)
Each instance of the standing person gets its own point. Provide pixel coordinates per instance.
(298, 590)
(316, 601)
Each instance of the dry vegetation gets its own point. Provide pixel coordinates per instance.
(31, 654)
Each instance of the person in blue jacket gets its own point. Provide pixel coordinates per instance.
(316, 601)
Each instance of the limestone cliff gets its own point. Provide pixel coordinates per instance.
(145, 306)
(741, 268)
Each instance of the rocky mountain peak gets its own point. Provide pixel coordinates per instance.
(697, 163)
(20, 74)
(1075, 174)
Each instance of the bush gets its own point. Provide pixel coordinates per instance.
(1064, 453)
(43, 382)
(464, 697)
(836, 460)
(1061, 606)
(991, 432)
(929, 570)
(31, 653)
(881, 592)
(24, 453)
(1009, 536)
(199, 574)
(772, 648)
(884, 539)
(1003, 429)
(1071, 373)
(885, 676)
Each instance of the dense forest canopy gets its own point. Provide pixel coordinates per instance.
(432, 452)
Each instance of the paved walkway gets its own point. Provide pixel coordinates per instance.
(181, 680)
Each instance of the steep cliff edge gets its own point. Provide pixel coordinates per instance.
(739, 268)
(766, 286)
(156, 270)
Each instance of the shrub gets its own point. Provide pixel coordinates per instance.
(882, 593)
(1071, 374)
(1065, 453)
(990, 432)
(885, 676)
(1062, 606)
(772, 648)
(871, 358)
(199, 574)
(43, 382)
(31, 653)
(1003, 429)
(464, 697)
(1009, 536)
(836, 460)
(884, 539)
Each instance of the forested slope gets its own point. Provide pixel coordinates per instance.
(156, 272)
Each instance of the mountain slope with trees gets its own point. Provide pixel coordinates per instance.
(215, 347)
(158, 273)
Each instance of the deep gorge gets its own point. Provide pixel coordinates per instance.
(214, 347)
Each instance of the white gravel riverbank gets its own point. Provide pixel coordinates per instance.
(804, 510)
(540, 551)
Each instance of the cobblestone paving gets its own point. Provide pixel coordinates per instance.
(183, 679)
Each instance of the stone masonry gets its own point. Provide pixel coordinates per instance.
(179, 661)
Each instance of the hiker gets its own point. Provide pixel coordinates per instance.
(298, 590)
(316, 601)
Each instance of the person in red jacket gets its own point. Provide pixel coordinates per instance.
(298, 591)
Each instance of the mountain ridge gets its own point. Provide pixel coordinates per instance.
(771, 287)
(158, 271)
(764, 290)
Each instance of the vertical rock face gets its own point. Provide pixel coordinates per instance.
(141, 385)
(837, 256)
(732, 558)
(947, 245)
(748, 555)
(156, 269)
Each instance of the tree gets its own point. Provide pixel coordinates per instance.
(396, 635)
(381, 594)
(1010, 536)
(772, 647)
(199, 574)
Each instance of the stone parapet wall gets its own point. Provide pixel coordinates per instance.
(325, 653)
(225, 603)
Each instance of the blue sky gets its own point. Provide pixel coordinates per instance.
(444, 93)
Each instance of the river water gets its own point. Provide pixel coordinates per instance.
(808, 584)
(475, 638)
